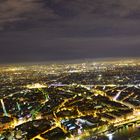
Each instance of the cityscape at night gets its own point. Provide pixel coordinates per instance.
(69, 69)
(71, 101)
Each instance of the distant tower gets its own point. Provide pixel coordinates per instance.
(3, 107)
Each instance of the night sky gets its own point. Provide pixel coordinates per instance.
(50, 30)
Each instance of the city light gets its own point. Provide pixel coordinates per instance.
(75, 102)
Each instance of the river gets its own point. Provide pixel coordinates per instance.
(125, 133)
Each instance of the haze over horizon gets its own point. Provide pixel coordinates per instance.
(52, 30)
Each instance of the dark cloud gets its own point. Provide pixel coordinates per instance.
(23, 48)
(16, 12)
(39, 30)
(42, 11)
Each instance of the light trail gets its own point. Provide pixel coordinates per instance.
(4, 108)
